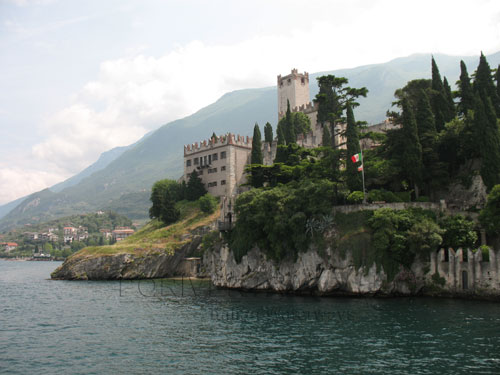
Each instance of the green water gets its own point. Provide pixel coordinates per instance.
(170, 327)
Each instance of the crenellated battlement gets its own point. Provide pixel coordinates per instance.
(294, 75)
(223, 140)
(304, 108)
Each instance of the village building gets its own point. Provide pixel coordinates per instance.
(106, 233)
(8, 246)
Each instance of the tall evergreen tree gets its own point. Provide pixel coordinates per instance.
(464, 91)
(353, 177)
(195, 187)
(497, 78)
(326, 139)
(438, 100)
(289, 130)
(268, 133)
(256, 155)
(485, 126)
(411, 160)
(450, 104)
(484, 86)
(433, 170)
(280, 133)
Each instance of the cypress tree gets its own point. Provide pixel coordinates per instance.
(484, 86)
(411, 160)
(326, 139)
(464, 91)
(450, 104)
(438, 100)
(486, 129)
(195, 187)
(353, 177)
(289, 130)
(268, 133)
(280, 134)
(427, 136)
(256, 155)
(497, 78)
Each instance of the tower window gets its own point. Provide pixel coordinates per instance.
(223, 155)
(302, 80)
(188, 163)
(196, 161)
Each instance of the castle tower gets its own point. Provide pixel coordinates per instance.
(293, 87)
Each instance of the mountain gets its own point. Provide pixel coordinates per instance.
(124, 184)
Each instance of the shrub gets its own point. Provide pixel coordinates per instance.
(423, 198)
(355, 197)
(459, 232)
(208, 203)
(382, 195)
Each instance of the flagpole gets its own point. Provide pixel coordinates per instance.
(362, 172)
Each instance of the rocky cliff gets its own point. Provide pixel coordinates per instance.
(310, 273)
(331, 274)
(127, 265)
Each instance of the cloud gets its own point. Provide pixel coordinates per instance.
(136, 94)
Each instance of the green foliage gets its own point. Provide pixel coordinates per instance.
(210, 240)
(355, 197)
(438, 279)
(484, 86)
(326, 139)
(288, 128)
(392, 231)
(485, 251)
(164, 195)
(268, 133)
(465, 93)
(194, 188)
(275, 219)
(411, 160)
(458, 232)
(208, 203)
(382, 196)
(256, 155)
(301, 123)
(490, 214)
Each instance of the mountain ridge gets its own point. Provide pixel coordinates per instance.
(160, 155)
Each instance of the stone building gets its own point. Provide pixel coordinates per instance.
(220, 163)
(294, 88)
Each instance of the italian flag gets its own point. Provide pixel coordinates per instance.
(355, 158)
(360, 168)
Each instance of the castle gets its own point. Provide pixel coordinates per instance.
(221, 161)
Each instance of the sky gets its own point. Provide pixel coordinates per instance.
(78, 78)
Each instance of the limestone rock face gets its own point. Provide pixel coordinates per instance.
(125, 266)
(310, 273)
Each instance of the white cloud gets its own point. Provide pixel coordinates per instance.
(134, 95)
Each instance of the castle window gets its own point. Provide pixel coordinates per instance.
(212, 170)
(212, 184)
(196, 161)
(223, 182)
(215, 157)
(302, 80)
(188, 163)
(223, 168)
(200, 172)
(289, 81)
(223, 155)
(205, 160)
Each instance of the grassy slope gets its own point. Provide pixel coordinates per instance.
(155, 237)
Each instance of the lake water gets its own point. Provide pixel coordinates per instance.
(175, 327)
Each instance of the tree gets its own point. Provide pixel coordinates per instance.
(427, 135)
(281, 134)
(195, 187)
(464, 91)
(301, 123)
(268, 133)
(326, 139)
(458, 232)
(438, 100)
(334, 96)
(256, 155)
(490, 214)
(353, 177)
(412, 154)
(484, 86)
(487, 138)
(289, 131)
(208, 203)
(497, 78)
(163, 197)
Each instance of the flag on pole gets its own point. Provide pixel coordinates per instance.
(355, 158)
(360, 168)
